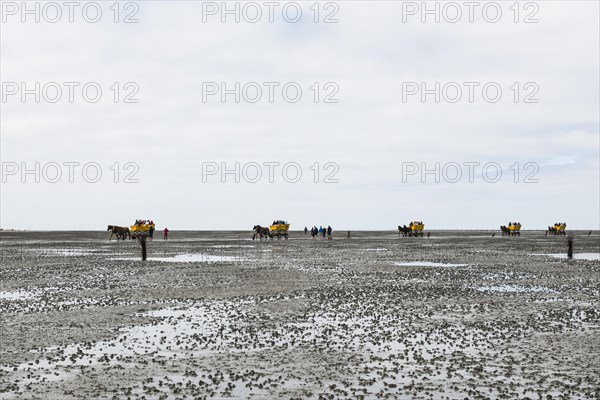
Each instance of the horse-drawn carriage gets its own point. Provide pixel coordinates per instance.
(558, 229)
(513, 229)
(277, 229)
(414, 229)
(142, 228)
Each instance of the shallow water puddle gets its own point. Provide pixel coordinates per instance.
(233, 246)
(30, 294)
(186, 258)
(514, 289)
(17, 295)
(428, 264)
(64, 252)
(576, 256)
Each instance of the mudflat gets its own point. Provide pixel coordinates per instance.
(217, 315)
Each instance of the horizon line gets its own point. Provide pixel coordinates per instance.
(291, 230)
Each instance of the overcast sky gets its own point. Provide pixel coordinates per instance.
(370, 62)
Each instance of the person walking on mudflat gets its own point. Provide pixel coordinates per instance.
(329, 231)
(165, 233)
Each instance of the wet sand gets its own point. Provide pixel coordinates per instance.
(217, 315)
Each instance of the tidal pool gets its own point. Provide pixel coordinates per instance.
(576, 256)
(186, 258)
(427, 264)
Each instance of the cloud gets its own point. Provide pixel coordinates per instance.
(369, 133)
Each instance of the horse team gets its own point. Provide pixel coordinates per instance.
(121, 232)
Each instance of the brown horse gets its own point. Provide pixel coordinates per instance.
(260, 231)
(404, 230)
(119, 231)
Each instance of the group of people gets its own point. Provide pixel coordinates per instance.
(144, 222)
(514, 225)
(165, 233)
(320, 231)
(279, 222)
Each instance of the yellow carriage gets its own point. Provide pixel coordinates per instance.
(416, 228)
(279, 228)
(142, 229)
(515, 229)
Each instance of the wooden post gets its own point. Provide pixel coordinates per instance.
(348, 234)
(143, 243)
(570, 248)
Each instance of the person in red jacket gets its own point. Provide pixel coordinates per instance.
(165, 233)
